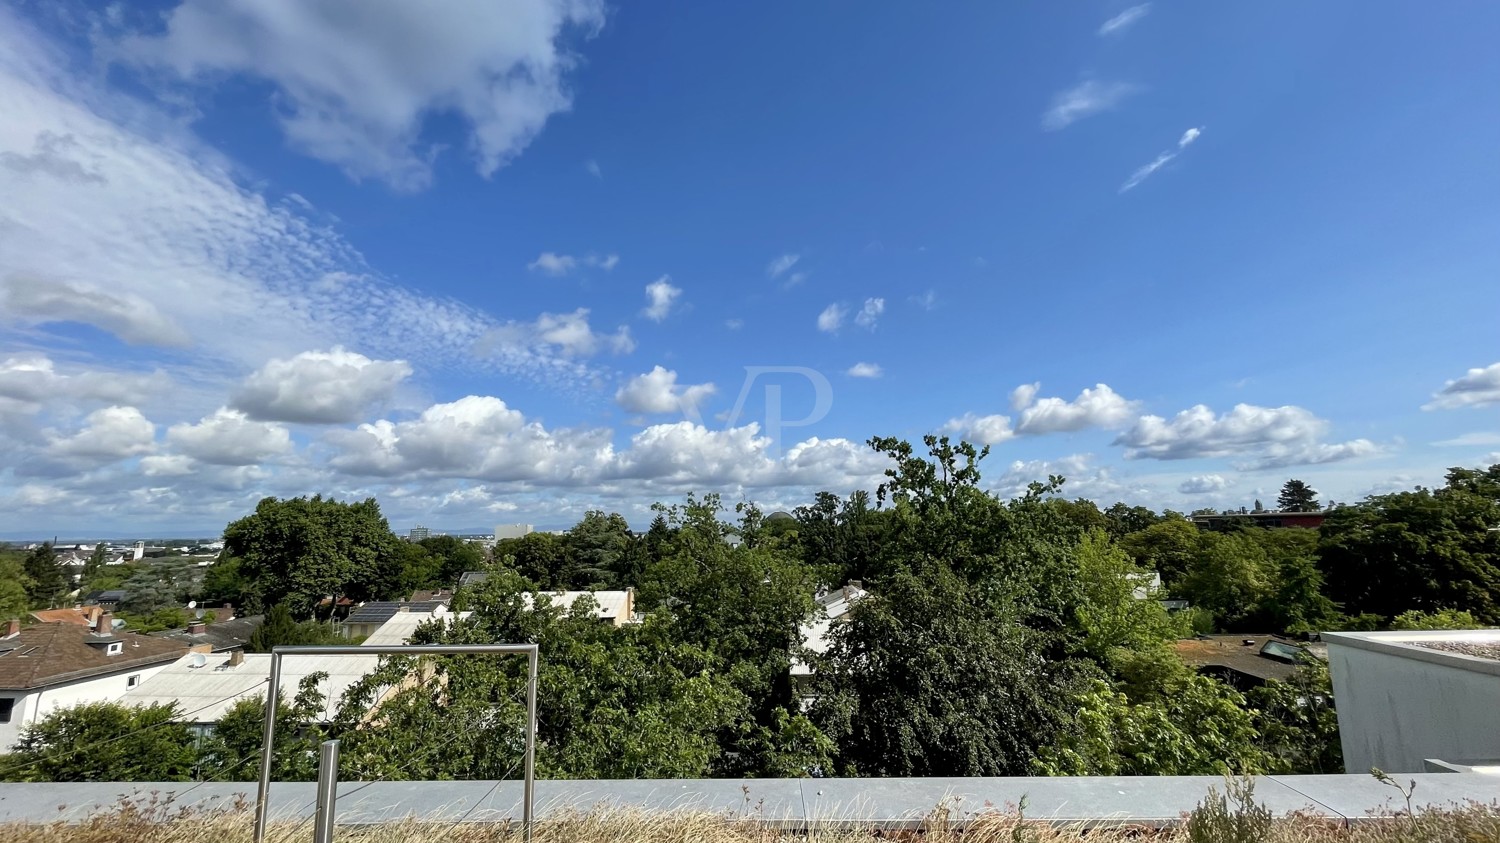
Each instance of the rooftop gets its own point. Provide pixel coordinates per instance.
(204, 687)
(82, 616)
(232, 634)
(1264, 657)
(53, 653)
(380, 611)
(400, 628)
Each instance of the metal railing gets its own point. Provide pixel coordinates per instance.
(262, 801)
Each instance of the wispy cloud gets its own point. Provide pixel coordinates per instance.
(832, 318)
(593, 167)
(1085, 99)
(1161, 160)
(1124, 20)
(869, 314)
(780, 265)
(551, 263)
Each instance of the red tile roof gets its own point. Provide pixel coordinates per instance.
(53, 653)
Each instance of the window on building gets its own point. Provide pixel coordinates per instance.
(132, 680)
(114, 649)
(6, 706)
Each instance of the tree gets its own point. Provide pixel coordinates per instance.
(103, 742)
(299, 550)
(15, 587)
(539, 557)
(48, 581)
(94, 567)
(1441, 619)
(1297, 496)
(280, 628)
(925, 679)
(454, 557)
(1230, 576)
(1110, 612)
(1167, 547)
(1124, 519)
(224, 582)
(232, 752)
(1297, 725)
(1425, 550)
(596, 546)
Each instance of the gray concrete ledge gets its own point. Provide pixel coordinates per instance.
(784, 803)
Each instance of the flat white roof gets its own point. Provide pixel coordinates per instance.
(1407, 643)
(400, 628)
(612, 604)
(203, 694)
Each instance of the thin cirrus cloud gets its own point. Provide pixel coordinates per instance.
(1124, 20)
(556, 265)
(1161, 160)
(1085, 99)
(357, 89)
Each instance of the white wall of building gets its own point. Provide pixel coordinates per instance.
(1399, 703)
(38, 703)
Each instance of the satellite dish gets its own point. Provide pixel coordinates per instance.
(198, 615)
(198, 660)
(193, 604)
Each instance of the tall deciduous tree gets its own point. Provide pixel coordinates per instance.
(232, 753)
(1297, 496)
(48, 581)
(15, 587)
(299, 550)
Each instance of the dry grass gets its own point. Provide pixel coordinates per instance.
(157, 823)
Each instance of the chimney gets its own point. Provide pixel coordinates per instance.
(227, 614)
(105, 625)
(236, 658)
(196, 628)
(13, 628)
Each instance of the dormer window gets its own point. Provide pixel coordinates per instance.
(114, 648)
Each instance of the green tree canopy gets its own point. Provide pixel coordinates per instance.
(103, 742)
(299, 550)
(46, 580)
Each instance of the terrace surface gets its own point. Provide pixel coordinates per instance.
(791, 804)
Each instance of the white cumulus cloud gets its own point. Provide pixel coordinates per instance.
(1264, 437)
(228, 437)
(660, 297)
(111, 433)
(357, 80)
(869, 313)
(1477, 388)
(1099, 406)
(865, 370)
(1202, 484)
(551, 263)
(658, 391)
(319, 387)
(983, 430)
(36, 300)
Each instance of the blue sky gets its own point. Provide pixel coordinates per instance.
(510, 262)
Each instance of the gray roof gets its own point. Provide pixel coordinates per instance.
(222, 636)
(473, 578)
(380, 611)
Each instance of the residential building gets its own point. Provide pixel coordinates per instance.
(511, 531)
(108, 600)
(1408, 697)
(402, 625)
(616, 607)
(206, 685)
(363, 620)
(57, 665)
(86, 616)
(224, 635)
(833, 607)
(440, 595)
